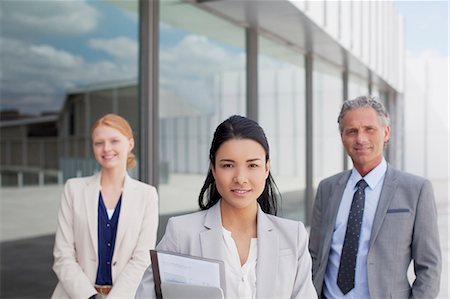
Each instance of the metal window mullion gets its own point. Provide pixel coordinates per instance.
(148, 90)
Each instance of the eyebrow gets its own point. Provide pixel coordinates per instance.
(249, 160)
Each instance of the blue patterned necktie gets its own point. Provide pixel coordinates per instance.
(347, 265)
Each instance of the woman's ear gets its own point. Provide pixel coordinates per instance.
(211, 166)
(131, 143)
(267, 168)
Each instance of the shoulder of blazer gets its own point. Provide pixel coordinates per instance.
(83, 181)
(395, 174)
(339, 178)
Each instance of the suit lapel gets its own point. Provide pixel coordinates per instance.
(267, 263)
(128, 210)
(211, 239)
(386, 196)
(331, 212)
(91, 196)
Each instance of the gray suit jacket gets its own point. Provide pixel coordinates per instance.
(404, 229)
(283, 264)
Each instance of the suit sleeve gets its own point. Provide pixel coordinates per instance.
(315, 242)
(303, 286)
(426, 251)
(131, 275)
(69, 272)
(146, 287)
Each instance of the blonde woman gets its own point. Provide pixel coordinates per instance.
(107, 223)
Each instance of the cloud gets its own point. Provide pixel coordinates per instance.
(48, 18)
(37, 76)
(122, 48)
(190, 67)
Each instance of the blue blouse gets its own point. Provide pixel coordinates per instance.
(107, 230)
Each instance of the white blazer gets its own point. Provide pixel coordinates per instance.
(76, 241)
(283, 268)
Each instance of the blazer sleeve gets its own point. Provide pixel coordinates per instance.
(303, 285)
(69, 272)
(131, 275)
(426, 251)
(315, 242)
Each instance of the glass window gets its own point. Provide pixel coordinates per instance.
(327, 101)
(357, 86)
(282, 115)
(202, 82)
(61, 65)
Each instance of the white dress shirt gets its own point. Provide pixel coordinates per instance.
(374, 179)
(240, 281)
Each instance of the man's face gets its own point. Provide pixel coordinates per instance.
(363, 137)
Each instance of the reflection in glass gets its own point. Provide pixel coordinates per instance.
(282, 116)
(357, 86)
(64, 64)
(202, 82)
(327, 101)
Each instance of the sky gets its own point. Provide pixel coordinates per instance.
(426, 96)
(426, 26)
(50, 47)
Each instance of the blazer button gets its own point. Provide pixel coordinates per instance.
(114, 263)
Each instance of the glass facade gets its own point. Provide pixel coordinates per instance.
(328, 156)
(202, 82)
(66, 63)
(281, 113)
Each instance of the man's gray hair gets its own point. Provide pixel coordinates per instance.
(364, 102)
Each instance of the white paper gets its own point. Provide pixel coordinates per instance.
(187, 270)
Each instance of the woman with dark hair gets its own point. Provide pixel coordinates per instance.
(265, 256)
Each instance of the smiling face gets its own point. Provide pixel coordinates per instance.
(363, 137)
(111, 147)
(240, 172)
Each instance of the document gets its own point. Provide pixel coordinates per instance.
(198, 275)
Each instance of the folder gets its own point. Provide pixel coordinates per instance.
(185, 276)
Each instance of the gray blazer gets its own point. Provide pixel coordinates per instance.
(283, 267)
(404, 229)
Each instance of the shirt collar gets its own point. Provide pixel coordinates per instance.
(372, 178)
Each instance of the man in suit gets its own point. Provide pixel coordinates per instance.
(365, 234)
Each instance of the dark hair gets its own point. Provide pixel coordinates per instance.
(238, 127)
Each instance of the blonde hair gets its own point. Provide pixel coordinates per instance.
(120, 124)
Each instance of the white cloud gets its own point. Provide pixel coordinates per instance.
(33, 18)
(188, 69)
(37, 76)
(122, 48)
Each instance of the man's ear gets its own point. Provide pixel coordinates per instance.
(387, 133)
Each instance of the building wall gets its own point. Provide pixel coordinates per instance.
(310, 57)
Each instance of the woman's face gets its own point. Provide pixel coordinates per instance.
(240, 172)
(111, 147)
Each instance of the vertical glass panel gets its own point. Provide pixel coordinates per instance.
(281, 112)
(202, 82)
(61, 64)
(327, 101)
(357, 86)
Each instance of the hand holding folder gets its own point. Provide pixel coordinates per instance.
(183, 276)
